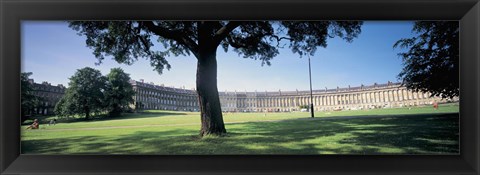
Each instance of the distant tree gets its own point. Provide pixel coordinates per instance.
(64, 107)
(28, 100)
(84, 94)
(118, 93)
(126, 41)
(431, 63)
(303, 106)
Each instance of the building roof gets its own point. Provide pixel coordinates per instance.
(268, 93)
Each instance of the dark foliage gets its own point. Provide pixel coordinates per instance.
(118, 92)
(126, 41)
(84, 94)
(28, 100)
(431, 63)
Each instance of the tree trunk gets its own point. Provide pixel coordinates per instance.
(87, 113)
(116, 111)
(210, 110)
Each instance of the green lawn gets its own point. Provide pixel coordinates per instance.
(420, 130)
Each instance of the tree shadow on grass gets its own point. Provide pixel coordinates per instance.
(374, 116)
(142, 115)
(424, 134)
(137, 143)
(61, 145)
(139, 115)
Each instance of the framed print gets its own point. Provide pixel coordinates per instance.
(234, 87)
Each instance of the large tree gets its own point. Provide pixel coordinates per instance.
(118, 92)
(84, 94)
(126, 41)
(28, 100)
(431, 62)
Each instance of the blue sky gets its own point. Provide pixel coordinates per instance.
(53, 52)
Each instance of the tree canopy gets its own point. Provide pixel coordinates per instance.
(431, 63)
(84, 94)
(91, 92)
(28, 99)
(126, 41)
(118, 92)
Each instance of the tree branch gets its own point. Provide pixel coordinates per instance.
(280, 39)
(235, 44)
(173, 35)
(224, 31)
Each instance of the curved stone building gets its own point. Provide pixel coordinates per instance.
(150, 96)
(389, 95)
(48, 95)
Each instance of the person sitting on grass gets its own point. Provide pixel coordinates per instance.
(435, 105)
(35, 125)
(52, 122)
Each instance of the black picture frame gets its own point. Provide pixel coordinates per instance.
(14, 11)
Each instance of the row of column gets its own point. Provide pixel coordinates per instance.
(369, 97)
(155, 99)
(152, 99)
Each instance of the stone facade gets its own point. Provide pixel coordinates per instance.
(150, 96)
(48, 96)
(389, 95)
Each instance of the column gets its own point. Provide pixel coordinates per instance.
(389, 96)
(400, 95)
(368, 97)
(362, 98)
(384, 96)
(395, 95)
(354, 98)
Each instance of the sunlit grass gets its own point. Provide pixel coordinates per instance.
(393, 131)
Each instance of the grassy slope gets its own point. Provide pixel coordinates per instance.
(163, 132)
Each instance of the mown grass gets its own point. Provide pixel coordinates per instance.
(390, 131)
